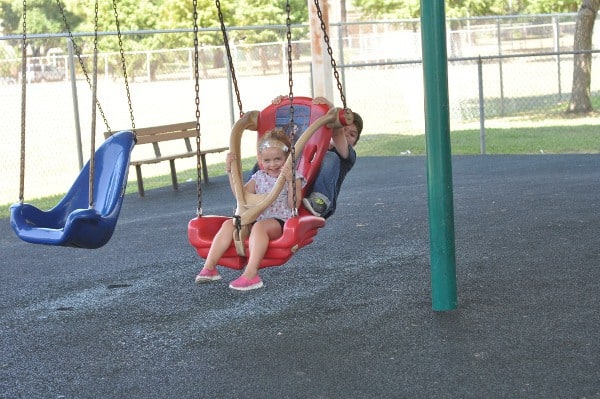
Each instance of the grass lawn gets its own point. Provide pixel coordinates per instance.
(584, 139)
(557, 136)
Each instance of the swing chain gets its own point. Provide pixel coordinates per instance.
(81, 63)
(23, 103)
(197, 101)
(124, 65)
(330, 52)
(291, 98)
(288, 22)
(229, 58)
(94, 100)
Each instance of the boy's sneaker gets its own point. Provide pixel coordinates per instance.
(244, 284)
(207, 275)
(317, 204)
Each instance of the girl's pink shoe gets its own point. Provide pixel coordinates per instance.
(244, 284)
(207, 275)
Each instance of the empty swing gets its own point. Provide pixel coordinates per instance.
(314, 124)
(87, 215)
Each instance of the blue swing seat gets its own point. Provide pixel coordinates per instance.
(72, 223)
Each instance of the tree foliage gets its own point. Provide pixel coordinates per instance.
(547, 7)
(44, 15)
(399, 9)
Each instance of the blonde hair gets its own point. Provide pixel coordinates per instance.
(274, 138)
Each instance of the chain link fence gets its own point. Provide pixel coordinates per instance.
(521, 64)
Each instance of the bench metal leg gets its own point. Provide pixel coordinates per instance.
(173, 174)
(140, 182)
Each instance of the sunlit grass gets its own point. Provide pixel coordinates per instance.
(583, 139)
(537, 139)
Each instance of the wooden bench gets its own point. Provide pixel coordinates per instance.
(156, 134)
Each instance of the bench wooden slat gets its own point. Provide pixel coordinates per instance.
(165, 136)
(188, 127)
(214, 150)
(176, 156)
(177, 131)
(166, 128)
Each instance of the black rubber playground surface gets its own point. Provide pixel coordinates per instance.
(348, 317)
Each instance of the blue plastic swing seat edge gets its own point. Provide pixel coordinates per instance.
(72, 223)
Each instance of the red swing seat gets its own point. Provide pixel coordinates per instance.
(298, 231)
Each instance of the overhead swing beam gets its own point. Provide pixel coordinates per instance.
(439, 162)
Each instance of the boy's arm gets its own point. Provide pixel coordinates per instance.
(338, 139)
(340, 143)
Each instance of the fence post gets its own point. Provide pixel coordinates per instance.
(75, 103)
(556, 32)
(148, 66)
(481, 107)
(501, 80)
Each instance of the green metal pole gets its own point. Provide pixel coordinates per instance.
(439, 162)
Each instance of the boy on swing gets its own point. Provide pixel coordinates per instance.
(273, 150)
(335, 166)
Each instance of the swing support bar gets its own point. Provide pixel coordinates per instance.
(439, 161)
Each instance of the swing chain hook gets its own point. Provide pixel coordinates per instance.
(237, 222)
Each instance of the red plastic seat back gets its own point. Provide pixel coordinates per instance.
(299, 231)
(305, 113)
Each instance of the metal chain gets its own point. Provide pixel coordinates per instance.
(124, 66)
(229, 58)
(330, 52)
(94, 100)
(291, 98)
(197, 90)
(288, 23)
(81, 63)
(23, 102)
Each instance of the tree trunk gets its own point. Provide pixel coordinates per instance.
(582, 63)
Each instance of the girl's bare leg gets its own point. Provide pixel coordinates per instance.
(260, 235)
(220, 244)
